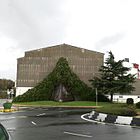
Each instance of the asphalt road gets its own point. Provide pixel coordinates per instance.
(61, 124)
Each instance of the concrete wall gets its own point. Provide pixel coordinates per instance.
(114, 119)
(37, 64)
(21, 90)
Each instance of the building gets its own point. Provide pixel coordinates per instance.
(37, 64)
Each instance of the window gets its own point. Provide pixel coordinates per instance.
(121, 96)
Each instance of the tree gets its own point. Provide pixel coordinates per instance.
(114, 78)
(5, 84)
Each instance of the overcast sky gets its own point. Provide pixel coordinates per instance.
(99, 25)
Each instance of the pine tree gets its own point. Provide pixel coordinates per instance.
(114, 78)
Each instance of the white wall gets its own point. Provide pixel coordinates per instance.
(123, 98)
(21, 90)
(132, 69)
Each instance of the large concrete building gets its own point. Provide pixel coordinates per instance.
(37, 64)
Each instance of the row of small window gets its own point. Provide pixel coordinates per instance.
(29, 66)
(95, 59)
(29, 81)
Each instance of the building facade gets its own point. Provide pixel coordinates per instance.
(37, 64)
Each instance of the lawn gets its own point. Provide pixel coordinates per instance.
(73, 103)
(103, 107)
(121, 109)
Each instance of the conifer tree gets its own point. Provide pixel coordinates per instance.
(114, 78)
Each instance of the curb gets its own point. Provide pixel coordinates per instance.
(111, 119)
(64, 106)
(9, 110)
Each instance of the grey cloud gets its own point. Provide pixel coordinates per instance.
(109, 40)
(32, 23)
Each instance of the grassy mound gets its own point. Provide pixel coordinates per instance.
(61, 74)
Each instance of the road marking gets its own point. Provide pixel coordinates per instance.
(21, 117)
(41, 114)
(11, 129)
(8, 118)
(33, 123)
(12, 117)
(77, 134)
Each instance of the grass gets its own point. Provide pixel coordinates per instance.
(53, 103)
(103, 107)
(121, 109)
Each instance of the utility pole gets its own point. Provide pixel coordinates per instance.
(96, 96)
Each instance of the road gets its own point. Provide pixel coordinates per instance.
(61, 124)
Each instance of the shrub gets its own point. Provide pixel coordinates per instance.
(120, 110)
(102, 98)
(128, 112)
(129, 101)
(138, 105)
(7, 105)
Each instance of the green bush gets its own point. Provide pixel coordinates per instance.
(138, 105)
(128, 112)
(102, 98)
(120, 110)
(129, 101)
(7, 105)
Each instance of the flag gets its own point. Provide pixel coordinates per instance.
(136, 66)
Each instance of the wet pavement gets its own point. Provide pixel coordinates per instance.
(61, 124)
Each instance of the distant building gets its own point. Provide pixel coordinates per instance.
(37, 64)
